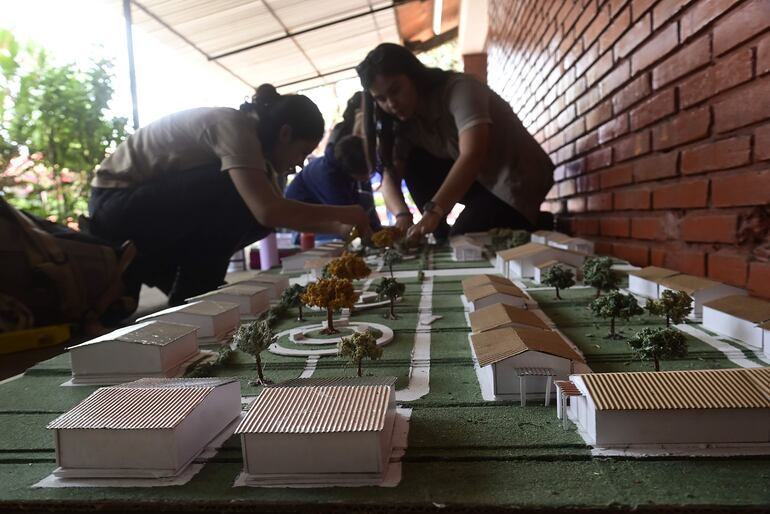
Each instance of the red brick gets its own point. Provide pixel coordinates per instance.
(587, 183)
(748, 188)
(553, 193)
(615, 177)
(657, 107)
(614, 128)
(665, 10)
(617, 5)
(692, 262)
(639, 7)
(566, 117)
(689, 58)
(598, 115)
(657, 257)
(746, 21)
(570, 15)
(616, 78)
(585, 226)
(647, 228)
(597, 26)
(656, 167)
(566, 188)
(725, 74)
(701, 14)
(587, 142)
(588, 100)
(762, 143)
(599, 159)
(574, 168)
(603, 248)
(632, 93)
(575, 130)
(743, 106)
(554, 207)
(613, 32)
(719, 155)
(636, 254)
(632, 146)
(682, 195)
(632, 200)
(615, 227)
(599, 69)
(759, 279)
(763, 56)
(659, 46)
(709, 228)
(600, 202)
(730, 268)
(685, 127)
(577, 204)
(588, 13)
(633, 38)
(586, 60)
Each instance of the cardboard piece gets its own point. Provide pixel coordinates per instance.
(542, 268)
(146, 429)
(495, 292)
(702, 290)
(744, 318)
(216, 321)
(646, 281)
(252, 299)
(501, 315)
(148, 349)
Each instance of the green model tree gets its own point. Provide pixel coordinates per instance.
(616, 305)
(675, 306)
(559, 278)
(391, 289)
(254, 338)
(658, 343)
(391, 257)
(292, 297)
(598, 273)
(359, 346)
(504, 238)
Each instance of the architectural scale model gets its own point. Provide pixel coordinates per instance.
(744, 318)
(145, 429)
(520, 262)
(573, 244)
(494, 292)
(500, 315)
(466, 249)
(542, 268)
(480, 280)
(275, 283)
(315, 267)
(700, 289)
(252, 299)
(148, 349)
(296, 263)
(646, 281)
(216, 321)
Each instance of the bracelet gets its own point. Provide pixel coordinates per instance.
(404, 214)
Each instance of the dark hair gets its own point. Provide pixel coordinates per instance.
(380, 128)
(345, 127)
(275, 110)
(350, 157)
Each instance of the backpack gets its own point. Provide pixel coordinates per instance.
(57, 274)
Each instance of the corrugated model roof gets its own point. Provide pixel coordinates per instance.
(696, 389)
(745, 307)
(478, 280)
(311, 410)
(176, 383)
(484, 290)
(337, 381)
(463, 241)
(500, 344)
(524, 251)
(497, 315)
(132, 408)
(653, 273)
(687, 283)
(156, 333)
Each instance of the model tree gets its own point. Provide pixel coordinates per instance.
(359, 346)
(616, 305)
(292, 297)
(504, 238)
(391, 289)
(597, 272)
(559, 278)
(391, 257)
(253, 338)
(675, 306)
(349, 266)
(330, 294)
(387, 237)
(658, 343)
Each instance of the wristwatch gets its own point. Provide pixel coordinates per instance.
(433, 207)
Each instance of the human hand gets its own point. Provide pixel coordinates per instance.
(358, 220)
(427, 224)
(404, 223)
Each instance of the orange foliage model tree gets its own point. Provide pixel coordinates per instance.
(330, 294)
(349, 266)
(387, 237)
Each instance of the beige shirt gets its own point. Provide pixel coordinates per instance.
(216, 136)
(518, 171)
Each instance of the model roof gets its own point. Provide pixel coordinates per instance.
(558, 237)
(553, 262)
(337, 381)
(524, 251)
(687, 283)
(156, 333)
(323, 409)
(318, 262)
(202, 308)
(497, 345)
(267, 278)
(653, 273)
(478, 280)
(694, 389)
(484, 290)
(463, 241)
(743, 307)
(499, 314)
(237, 289)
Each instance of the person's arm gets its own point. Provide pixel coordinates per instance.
(394, 199)
(272, 210)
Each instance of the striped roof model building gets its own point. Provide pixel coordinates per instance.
(147, 428)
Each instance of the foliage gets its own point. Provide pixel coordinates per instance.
(391, 289)
(675, 306)
(504, 238)
(330, 294)
(359, 346)
(597, 272)
(658, 343)
(253, 338)
(53, 129)
(387, 237)
(616, 305)
(559, 278)
(349, 266)
(292, 297)
(391, 257)
(206, 368)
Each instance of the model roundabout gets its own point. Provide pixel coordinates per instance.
(309, 335)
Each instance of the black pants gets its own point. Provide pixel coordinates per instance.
(186, 225)
(483, 210)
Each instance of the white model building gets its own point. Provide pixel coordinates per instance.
(700, 289)
(698, 407)
(330, 431)
(480, 238)
(646, 281)
(148, 349)
(542, 268)
(216, 321)
(520, 262)
(275, 283)
(480, 280)
(296, 263)
(332, 248)
(573, 244)
(543, 236)
(252, 300)
(501, 315)
(741, 317)
(316, 266)
(528, 358)
(145, 429)
(465, 249)
(494, 292)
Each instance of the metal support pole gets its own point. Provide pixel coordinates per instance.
(131, 68)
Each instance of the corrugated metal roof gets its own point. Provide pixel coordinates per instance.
(499, 314)
(653, 273)
(336, 381)
(745, 307)
(696, 389)
(484, 290)
(310, 410)
(500, 344)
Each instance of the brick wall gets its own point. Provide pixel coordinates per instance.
(657, 115)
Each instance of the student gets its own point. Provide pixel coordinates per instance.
(453, 140)
(193, 187)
